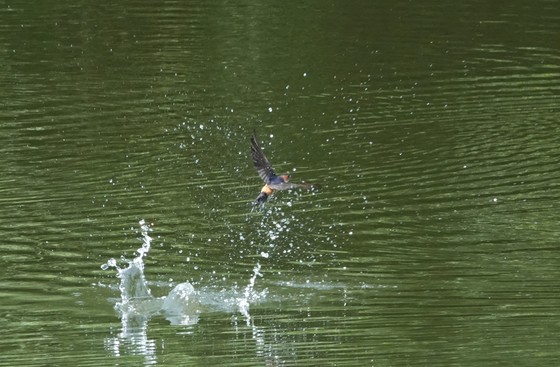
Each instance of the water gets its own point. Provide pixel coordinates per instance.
(181, 306)
(431, 127)
(183, 303)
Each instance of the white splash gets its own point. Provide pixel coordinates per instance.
(180, 306)
(244, 302)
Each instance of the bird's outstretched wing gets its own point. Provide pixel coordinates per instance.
(291, 186)
(263, 166)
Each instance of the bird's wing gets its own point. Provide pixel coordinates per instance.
(263, 166)
(291, 186)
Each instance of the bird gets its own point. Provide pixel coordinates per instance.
(272, 181)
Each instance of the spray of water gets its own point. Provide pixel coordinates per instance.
(183, 304)
(244, 302)
(180, 306)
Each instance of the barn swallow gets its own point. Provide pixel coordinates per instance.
(272, 181)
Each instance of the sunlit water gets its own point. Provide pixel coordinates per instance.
(432, 128)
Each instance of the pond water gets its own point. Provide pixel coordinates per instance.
(128, 235)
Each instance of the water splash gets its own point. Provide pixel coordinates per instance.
(183, 303)
(249, 294)
(180, 306)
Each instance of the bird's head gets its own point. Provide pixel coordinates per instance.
(286, 177)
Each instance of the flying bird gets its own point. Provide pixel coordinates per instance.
(272, 181)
